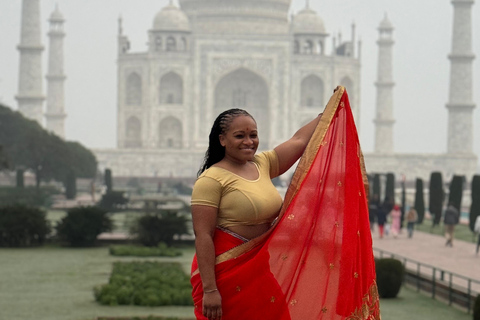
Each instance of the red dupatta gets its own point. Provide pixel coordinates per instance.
(317, 262)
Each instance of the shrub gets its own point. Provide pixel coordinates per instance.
(145, 284)
(22, 226)
(152, 229)
(113, 200)
(476, 309)
(161, 251)
(81, 226)
(27, 196)
(389, 277)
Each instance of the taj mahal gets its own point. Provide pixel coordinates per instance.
(206, 56)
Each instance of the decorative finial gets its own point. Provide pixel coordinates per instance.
(171, 2)
(120, 29)
(307, 5)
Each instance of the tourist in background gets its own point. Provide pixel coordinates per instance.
(412, 217)
(450, 220)
(477, 231)
(396, 215)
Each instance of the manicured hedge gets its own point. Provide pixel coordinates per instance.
(82, 225)
(22, 226)
(389, 277)
(161, 251)
(145, 284)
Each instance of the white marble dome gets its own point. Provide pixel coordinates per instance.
(308, 21)
(171, 18)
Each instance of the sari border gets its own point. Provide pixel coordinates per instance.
(300, 172)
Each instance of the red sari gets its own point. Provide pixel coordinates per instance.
(317, 261)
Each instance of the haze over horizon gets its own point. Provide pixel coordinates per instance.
(421, 68)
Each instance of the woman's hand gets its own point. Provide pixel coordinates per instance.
(212, 305)
(335, 90)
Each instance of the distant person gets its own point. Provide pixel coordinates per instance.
(387, 207)
(412, 218)
(450, 220)
(396, 215)
(381, 219)
(477, 231)
(372, 211)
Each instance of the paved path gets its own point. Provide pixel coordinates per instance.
(431, 250)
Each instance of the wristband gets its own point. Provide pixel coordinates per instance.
(210, 291)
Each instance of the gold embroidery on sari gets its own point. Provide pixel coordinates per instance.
(293, 302)
(369, 309)
(324, 309)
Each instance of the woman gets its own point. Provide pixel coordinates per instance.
(396, 215)
(246, 269)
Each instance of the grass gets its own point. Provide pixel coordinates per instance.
(462, 231)
(53, 283)
(410, 305)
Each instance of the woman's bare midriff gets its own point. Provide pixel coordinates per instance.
(250, 232)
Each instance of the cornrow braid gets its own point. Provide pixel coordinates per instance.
(216, 151)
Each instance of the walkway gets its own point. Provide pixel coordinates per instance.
(431, 250)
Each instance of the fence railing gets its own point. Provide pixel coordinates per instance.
(443, 285)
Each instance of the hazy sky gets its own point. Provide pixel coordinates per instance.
(422, 36)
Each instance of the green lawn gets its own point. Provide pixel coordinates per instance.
(410, 305)
(462, 232)
(52, 283)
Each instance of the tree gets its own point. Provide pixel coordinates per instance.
(108, 180)
(436, 197)
(390, 188)
(475, 207)
(71, 186)
(20, 178)
(419, 202)
(29, 146)
(376, 186)
(404, 202)
(456, 191)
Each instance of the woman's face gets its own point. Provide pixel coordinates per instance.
(240, 140)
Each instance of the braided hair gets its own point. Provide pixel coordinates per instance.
(216, 151)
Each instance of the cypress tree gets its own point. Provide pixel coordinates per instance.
(390, 188)
(404, 203)
(20, 178)
(376, 185)
(456, 191)
(419, 202)
(475, 207)
(108, 180)
(71, 186)
(435, 203)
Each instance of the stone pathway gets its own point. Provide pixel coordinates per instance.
(431, 250)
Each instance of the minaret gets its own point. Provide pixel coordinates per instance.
(55, 116)
(460, 106)
(384, 118)
(30, 97)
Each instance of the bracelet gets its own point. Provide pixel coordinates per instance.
(210, 291)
